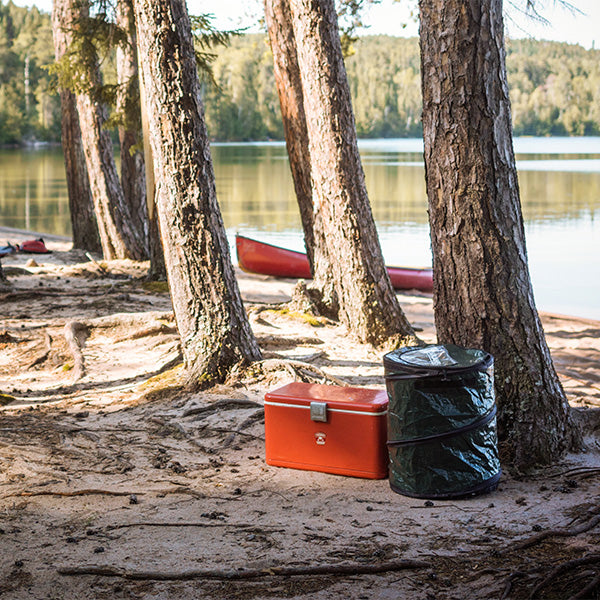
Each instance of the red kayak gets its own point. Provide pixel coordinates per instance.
(266, 259)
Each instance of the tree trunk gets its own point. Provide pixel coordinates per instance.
(289, 88)
(114, 218)
(83, 219)
(482, 289)
(348, 265)
(214, 329)
(133, 174)
(158, 269)
(119, 239)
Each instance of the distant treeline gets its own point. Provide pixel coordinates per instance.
(29, 108)
(554, 87)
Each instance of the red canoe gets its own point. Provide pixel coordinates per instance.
(259, 257)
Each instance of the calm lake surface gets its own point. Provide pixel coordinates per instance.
(560, 191)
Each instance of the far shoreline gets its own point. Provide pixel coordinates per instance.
(19, 235)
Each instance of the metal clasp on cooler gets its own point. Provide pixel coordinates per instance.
(318, 411)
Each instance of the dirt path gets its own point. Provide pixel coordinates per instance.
(117, 484)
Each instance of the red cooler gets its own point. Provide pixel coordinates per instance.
(328, 428)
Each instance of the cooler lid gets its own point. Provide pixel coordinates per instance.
(337, 397)
(438, 358)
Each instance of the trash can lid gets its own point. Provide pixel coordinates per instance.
(438, 358)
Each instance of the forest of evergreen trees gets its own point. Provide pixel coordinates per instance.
(554, 87)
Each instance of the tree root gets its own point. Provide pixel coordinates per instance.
(299, 371)
(306, 303)
(86, 492)
(509, 582)
(76, 334)
(586, 592)
(195, 524)
(227, 404)
(178, 489)
(160, 329)
(233, 431)
(43, 357)
(563, 568)
(243, 574)
(130, 319)
(580, 472)
(536, 539)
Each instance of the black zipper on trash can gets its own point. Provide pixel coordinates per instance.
(484, 420)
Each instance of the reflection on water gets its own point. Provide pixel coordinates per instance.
(559, 181)
(33, 191)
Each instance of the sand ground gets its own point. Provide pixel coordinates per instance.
(118, 484)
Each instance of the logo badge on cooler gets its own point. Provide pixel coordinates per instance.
(320, 438)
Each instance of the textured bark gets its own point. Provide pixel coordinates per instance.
(158, 268)
(347, 260)
(289, 88)
(114, 218)
(214, 329)
(482, 289)
(118, 238)
(81, 206)
(133, 174)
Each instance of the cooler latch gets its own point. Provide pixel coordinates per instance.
(318, 411)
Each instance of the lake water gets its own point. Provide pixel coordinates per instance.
(559, 180)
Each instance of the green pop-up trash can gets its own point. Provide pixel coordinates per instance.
(442, 439)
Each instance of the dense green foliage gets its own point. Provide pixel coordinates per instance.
(554, 87)
(29, 108)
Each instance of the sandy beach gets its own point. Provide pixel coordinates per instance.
(120, 484)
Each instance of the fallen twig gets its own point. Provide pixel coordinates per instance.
(240, 574)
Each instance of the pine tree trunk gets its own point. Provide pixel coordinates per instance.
(81, 206)
(133, 173)
(114, 218)
(482, 290)
(214, 329)
(119, 239)
(347, 263)
(289, 88)
(158, 269)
